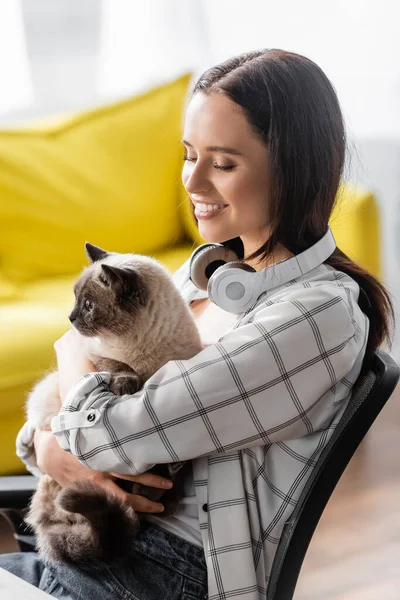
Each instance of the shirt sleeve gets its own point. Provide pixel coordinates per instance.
(270, 380)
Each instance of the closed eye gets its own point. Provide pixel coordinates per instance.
(216, 166)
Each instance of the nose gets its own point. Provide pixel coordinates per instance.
(72, 316)
(196, 182)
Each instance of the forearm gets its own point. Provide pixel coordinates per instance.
(52, 460)
(46, 451)
(66, 469)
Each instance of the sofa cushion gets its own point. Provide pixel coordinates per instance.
(29, 328)
(355, 224)
(8, 291)
(109, 176)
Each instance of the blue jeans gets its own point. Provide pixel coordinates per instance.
(164, 567)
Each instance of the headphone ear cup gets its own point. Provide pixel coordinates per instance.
(207, 260)
(233, 287)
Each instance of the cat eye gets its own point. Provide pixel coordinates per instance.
(88, 305)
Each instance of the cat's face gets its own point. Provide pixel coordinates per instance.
(107, 297)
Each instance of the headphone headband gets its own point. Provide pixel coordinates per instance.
(235, 286)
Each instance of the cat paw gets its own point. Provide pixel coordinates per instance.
(125, 383)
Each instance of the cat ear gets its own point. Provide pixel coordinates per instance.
(113, 275)
(94, 253)
(126, 282)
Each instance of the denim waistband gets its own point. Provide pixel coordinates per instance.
(172, 551)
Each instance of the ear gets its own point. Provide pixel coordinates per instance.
(112, 275)
(94, 253)
(126, 282)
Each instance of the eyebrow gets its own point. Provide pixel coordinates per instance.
(223, 149)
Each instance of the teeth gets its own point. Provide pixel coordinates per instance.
(209, 207)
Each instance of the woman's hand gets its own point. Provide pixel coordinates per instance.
(66, 469)
(72, 361)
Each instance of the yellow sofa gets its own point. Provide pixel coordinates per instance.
(110, 176)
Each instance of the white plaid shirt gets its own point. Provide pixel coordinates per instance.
(252, 411)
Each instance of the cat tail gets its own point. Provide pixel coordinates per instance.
(105, 534)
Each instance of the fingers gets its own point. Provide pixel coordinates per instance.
(148, 478)
(139, 503)
(142, 504)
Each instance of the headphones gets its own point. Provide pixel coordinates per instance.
(236, 287)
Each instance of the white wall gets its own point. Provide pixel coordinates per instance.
(356, 43)
(17, 90)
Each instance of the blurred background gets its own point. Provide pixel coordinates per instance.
(63, 56)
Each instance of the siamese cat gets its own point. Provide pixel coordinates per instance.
(133, 321)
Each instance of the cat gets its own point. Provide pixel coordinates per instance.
(133, 321)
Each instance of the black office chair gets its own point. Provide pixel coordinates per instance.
(370, 394)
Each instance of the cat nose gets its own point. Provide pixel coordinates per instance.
(72, 316)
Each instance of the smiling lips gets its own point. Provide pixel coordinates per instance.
(209, 207)
(202, 211)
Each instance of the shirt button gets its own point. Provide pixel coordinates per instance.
(91, 417)
(205, 507)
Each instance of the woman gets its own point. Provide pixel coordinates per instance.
(265, 147)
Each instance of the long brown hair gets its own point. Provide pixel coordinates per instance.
(292, 106)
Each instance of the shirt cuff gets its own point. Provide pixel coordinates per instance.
(79, 411)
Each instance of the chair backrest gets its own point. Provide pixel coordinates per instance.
(370, 394)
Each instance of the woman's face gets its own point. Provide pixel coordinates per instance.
(226, 172)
